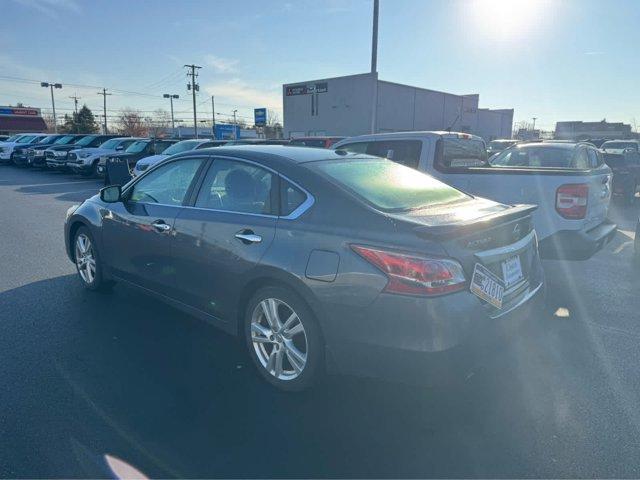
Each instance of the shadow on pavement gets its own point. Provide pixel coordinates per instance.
(121, 374)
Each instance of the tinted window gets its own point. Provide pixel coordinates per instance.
(65, 140)
(161, 146)
(388, 185)
(26, 139)
(236, 187)
(291, 197)
(541, 156)
(86, 141)
(138, 146)
(179, 147)
(359, 147)
(406, 152)
(460, 152)
(110, 144)
(619, 145)
(167, 184)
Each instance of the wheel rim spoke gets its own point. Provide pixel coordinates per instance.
(273, 341)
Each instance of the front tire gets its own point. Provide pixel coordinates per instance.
(283, 339)
(87, 260)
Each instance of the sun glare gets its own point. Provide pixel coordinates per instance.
(506, 19)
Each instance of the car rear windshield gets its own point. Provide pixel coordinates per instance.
(388, 185)
(460, 152)
(536, 156)
(619, 145)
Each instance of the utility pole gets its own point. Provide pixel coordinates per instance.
(53, 102)
(213, 119)
(104, 108)
(171, 97)
(374, 66)
(534, 123)
(194, 87)
(235, 128)
(75, 99)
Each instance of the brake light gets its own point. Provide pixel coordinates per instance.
(571, 200)
(413, 274)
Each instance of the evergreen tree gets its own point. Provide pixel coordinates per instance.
(81, 122)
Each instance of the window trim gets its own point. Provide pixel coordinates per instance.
(302, 208)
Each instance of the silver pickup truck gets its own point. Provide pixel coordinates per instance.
(569, 182)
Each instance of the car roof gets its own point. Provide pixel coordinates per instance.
(289, 154)
(413, 135)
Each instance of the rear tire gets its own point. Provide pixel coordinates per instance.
(283, 339)
(88, 263)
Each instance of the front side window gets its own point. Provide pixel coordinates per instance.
(167, 185)
(388, 185)
(237, 187)
(137, 147)
(64, 140)
(26, 139)
(86, 141)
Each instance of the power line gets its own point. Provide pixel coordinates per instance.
(104, 99)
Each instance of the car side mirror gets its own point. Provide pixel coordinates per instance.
(111, 194)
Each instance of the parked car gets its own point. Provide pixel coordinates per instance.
(318, 142)
(4, 137)
(9, 149)
(257, 141)
(626, 173)
(569, 182)
(37, 156)
(179, 147)
(314, 257)
(25, 156)
(618, 146)
(56, 157)
(498, 145)
(136, 151)
(85, 160)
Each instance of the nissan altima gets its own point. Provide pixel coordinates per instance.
(323, 261)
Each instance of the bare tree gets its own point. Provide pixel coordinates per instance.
(48, 120)
(158, 124)
(131, 122)
(273, 128)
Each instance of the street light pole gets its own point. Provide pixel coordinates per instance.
(53, 101)
(374, 67)
(235, 126)
(534, 123)
(171, 97)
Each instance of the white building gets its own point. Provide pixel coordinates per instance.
(344, 106)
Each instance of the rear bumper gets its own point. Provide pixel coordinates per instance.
(577, 244)
(418, 340)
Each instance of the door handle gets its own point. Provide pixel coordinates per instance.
(247, 237)
(161, 226)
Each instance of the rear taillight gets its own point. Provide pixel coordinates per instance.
(571, 200)
(414, 274)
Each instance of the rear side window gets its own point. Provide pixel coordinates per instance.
(595, 160)
(460, 153)
(291, 197)
(405, 152)
(388, 185)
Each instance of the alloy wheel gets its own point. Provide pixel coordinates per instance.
(85, 258)
(279, 339)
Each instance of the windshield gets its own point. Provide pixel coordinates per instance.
(389, 185)
(65, 140)
(137, 147)
(500, 145)
(111, 144)
(26, 139)
(83, 142)
(542, 156)
(183, 146)
(12, 138)
(48, 140)
(619, 145)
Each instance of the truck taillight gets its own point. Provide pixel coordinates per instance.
(411, 274)
(571, 200)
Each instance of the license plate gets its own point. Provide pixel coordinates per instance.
(511, 271)
(487, 286)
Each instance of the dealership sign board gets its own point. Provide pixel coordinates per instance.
(260, 117)
(307, 89)
(31, 112)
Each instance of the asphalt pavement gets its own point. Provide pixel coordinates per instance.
(99, 383)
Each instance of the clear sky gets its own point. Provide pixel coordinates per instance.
(555, 60)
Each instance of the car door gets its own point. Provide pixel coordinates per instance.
(224, 234)
(138, 232)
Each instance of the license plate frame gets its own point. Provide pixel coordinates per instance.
(487, 286)
(512, 271)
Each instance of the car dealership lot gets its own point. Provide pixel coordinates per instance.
(122, 375)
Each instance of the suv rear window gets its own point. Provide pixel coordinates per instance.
(405, 152)
(388, 185)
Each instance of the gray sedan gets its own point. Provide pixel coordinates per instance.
(320, 260)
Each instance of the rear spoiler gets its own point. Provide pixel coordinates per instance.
(440, 232)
